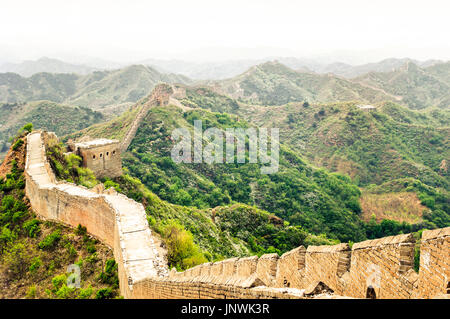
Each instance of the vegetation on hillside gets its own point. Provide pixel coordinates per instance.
(206, 98)
(95, 90)
(68, 166)
(319, 201)
(371, 147)
(418, 87)
(193, 236)
(273, 83)
(50, 116)
(35, 254)
(380, 146)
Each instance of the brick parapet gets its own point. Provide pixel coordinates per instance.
(384, 265)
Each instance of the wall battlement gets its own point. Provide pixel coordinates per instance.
(381, 268)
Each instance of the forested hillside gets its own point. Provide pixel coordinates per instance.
(273, 83)
(95, 90)
(381, 145)
(418, 87)
(59, 118)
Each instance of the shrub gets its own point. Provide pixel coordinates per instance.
(28, 127)
(80, 230)
(110, 275)
(71, 251)
(31, 293)
(6, 236)
(16, 259)
(51, 240)
(104, 293)
(91, 248)
(85, 293)
(31, 227)
(35, 264)
(17, 144)
(109, 184)
(181, 250)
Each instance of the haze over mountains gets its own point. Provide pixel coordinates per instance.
(220, 69)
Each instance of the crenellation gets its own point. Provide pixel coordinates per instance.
(380, 268)
(290, 268)
(266, 269)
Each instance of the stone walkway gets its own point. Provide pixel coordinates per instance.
(138, 253)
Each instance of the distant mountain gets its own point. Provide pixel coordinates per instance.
(41, 86)
(202, 71)
(95, 90)
(44, 64)
(118, 86)
(51, 116)
(399, 156)
(206, 70)
(387, 65)
(273, 83)
(227, 69)
(418, 87)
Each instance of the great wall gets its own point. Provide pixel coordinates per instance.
(380, 268)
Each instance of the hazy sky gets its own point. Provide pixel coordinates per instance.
(205, 29)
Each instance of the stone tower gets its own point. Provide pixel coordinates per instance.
(102, 156)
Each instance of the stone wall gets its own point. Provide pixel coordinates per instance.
(327, 264)
(160, 96)
(102, 157)
(113, 218)
(290, 268)
(434, 274)
(381, 268)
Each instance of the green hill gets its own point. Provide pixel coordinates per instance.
(51, 116)
(273, 83)
(373, 147)
(221, 232)
(370, 146)
(95, 90)
(319, 201)
(129, 84)
(417, 87)
(41, 86)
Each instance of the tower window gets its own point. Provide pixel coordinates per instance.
(370, 294)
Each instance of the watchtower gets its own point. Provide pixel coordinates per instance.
(102, 156)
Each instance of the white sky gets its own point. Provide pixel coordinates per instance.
(203, 29)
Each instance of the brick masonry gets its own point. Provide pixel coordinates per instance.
(382, 268)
